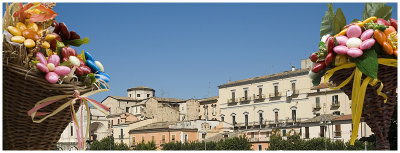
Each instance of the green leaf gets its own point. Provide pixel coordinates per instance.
(66, 63)
(380, 10)
(83, 56)
(355, 20)
(34, 62)
(92, 77)
(77, 42)
(327, 24)
(368, 63)
(60, 45)
(340, 21)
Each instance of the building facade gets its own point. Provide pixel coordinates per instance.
(161, 133)
(209, 109)
(286, 101)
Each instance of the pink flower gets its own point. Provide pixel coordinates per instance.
(51, 67)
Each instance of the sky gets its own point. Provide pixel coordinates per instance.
(185, 50)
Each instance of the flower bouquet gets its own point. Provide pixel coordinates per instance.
(42, 76)
(360, 58)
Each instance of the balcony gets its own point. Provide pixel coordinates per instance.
(258, 98)
(316, 108)
(245, 99)
(232, 101)
(335, 105)
(275, 96)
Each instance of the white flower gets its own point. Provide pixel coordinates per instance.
(323, 39)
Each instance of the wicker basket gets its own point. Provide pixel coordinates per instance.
(376, 113)
(22, 88)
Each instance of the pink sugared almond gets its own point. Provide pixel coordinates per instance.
(342, 40)
(341, 50)
(52, 77)
(367, 44)
(355, 52)
(353, 31)
(367, 34)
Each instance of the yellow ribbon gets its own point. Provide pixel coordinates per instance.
(358, 90)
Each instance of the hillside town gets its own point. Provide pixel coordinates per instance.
(253, 108)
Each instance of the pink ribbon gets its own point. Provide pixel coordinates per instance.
(83, 100)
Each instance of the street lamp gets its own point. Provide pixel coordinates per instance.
(325, 122)
(204, 139)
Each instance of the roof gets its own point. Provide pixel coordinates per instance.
(124, 98)
(209, 99)
(163, 99)
(343, 118)
(141, 88)
(158, 126)
(114, 115)
(282, 75)
(322, 117)
(143, 102)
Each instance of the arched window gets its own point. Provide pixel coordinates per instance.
(260, 117)
(276, 110)
(246, 118)
(294, 110)
(222, 117)
(233, 119)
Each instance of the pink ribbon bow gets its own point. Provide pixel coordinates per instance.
(76, 96)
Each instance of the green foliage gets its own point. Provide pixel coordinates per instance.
(145, 146)
(368, 63)
(121, 146)
(235, 143)
(380, 10)
(107, 143)
(332, 23)
(77, 42)
(294, 142)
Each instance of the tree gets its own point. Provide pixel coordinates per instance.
(294, 142)
(145, 146)
(235, 143)
(107, 143)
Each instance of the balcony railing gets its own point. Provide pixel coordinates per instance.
(232, 100)
(335, 105)
(316, 108)
(278, 94)
(259, 97)
(245, 99)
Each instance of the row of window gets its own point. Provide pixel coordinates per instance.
(337, 132)
(163, 139)
(335, 101)
(260, 90)
(214, 109)
(260, 116)
(138, 95)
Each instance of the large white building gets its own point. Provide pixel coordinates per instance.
(286, 101)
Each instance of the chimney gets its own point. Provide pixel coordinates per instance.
(293, 68)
